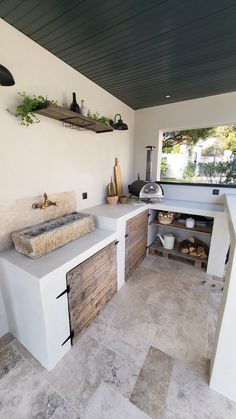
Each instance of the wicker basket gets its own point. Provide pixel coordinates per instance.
(166, 217)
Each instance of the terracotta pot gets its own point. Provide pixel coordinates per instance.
(112, 200)
(123, 199)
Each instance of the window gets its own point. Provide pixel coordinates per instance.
(206, 155)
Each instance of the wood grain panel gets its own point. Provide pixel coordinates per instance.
(89, 314)
(81, 272)
(80, 297)
(137, 228)
(92, 284)
(136, 255)
(95, 303)
(136, 242)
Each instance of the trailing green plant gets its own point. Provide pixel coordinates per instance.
(99, 118)
(25, 111)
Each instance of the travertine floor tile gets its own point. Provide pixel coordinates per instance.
(127, 294)
(189, 397)
(108, 404)
(9, 358)
(24, 394)
(131, 337)
(151, 388)
(88, 363)
(5, 340)
(16, 345)
(178, 345)
(144, 278)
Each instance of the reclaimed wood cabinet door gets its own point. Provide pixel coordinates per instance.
(136, 242)
(91, 285)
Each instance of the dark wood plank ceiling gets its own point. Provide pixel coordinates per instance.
(140, 51)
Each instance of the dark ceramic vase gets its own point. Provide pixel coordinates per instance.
(74, 106)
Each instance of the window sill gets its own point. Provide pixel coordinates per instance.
(209, 185)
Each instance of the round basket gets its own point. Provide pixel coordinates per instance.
(166, 217)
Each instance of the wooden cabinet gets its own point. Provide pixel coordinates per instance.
(91, 286)
(136, 242)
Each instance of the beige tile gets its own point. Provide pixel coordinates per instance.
(5, 340)
(144, 278)
(24, 394)
(83, 368)
(9, 358)
(131, 336)
(151, 388)
(106, 403)
(176, 343)
(189, 397)
(27, 355)
(130, 297)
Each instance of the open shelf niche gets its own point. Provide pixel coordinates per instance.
(181, 232)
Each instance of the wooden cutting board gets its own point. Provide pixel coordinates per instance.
(118, 179)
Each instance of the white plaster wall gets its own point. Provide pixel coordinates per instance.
(223, 361)
(3, 316)
(199, 113)
(46, 156)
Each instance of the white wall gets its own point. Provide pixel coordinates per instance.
(223, 362)
(46, 156)
(3, 317)
(199, 113)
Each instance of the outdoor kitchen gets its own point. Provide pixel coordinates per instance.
(118, 210)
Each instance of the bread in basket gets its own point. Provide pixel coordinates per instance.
(166, 217)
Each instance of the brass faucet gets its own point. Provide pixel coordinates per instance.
(46, 203)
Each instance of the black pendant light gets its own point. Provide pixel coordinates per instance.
(120, 125)
(6, 78)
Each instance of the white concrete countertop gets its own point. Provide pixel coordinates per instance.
(78, 250)
(231, 212)
(65, 257)
(123, 211)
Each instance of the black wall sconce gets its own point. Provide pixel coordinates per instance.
(6, 78)
(120, 125)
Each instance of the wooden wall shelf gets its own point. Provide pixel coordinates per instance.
(73, 119)
(175, 224)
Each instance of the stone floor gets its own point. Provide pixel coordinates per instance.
(146, 356)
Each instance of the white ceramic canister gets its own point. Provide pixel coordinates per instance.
(190, 222)
(83, 109)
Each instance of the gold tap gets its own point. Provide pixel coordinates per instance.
(46, 203)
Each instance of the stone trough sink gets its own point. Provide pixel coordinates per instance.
(43, 238)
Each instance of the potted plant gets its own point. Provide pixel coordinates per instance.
(25, 111)
(100, 118)
(112, 197)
